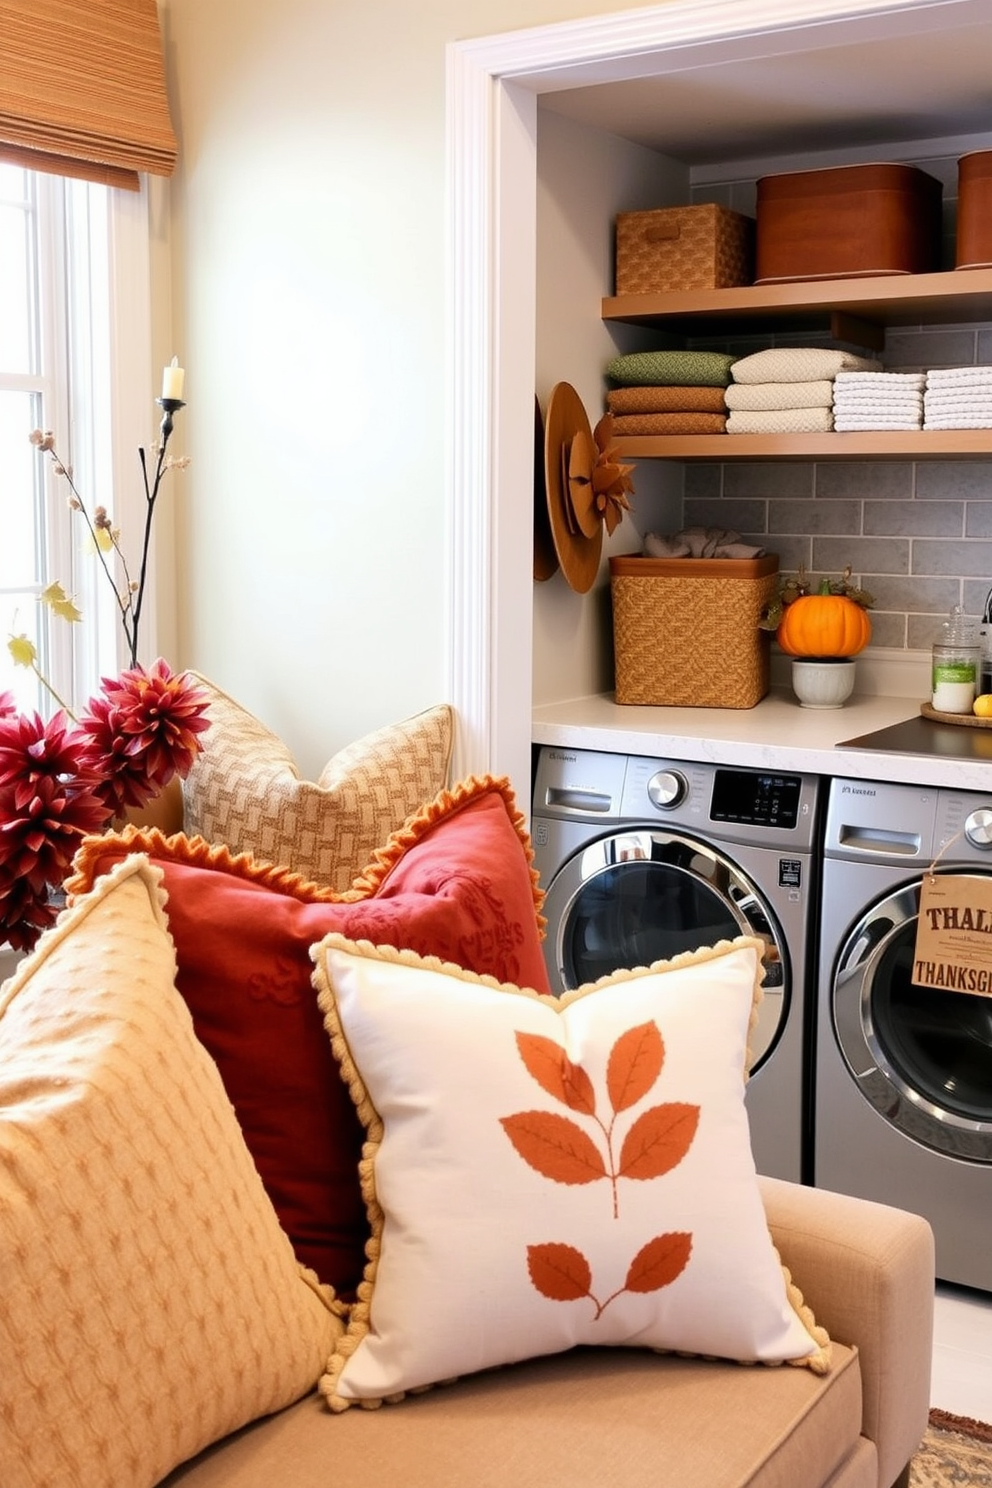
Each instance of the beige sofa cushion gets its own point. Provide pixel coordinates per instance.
(546, 1173)
(594, 1418)
(151, 1303)
(245, 790)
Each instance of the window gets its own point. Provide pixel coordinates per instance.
(71, 252)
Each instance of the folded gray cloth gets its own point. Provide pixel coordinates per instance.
(700, 542)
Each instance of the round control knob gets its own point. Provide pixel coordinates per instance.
(978, 827)
(667, 788)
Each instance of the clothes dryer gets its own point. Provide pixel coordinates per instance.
(642, 858)
(903, 1102)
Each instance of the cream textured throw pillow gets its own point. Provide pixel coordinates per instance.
(541, 1174)
(245, 790)
(151, 1302)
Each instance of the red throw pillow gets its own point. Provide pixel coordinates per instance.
(454, 882)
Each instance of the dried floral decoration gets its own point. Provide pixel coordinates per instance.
(586, 486)
(105, 538)
(74, 775)
(598, 485)
(800, 586)
(563, 1151)
(65, 778)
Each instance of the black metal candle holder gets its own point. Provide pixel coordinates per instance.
(169, 406)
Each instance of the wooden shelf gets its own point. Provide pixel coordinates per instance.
(853, 310)
(895, 299)
(895, 444)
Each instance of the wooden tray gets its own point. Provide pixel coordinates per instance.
(968, 720)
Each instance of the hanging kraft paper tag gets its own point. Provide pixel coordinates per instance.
(954, 934)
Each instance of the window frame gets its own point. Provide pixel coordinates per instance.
(91, 376)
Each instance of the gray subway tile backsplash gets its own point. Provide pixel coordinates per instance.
(912, 595)
(972, 559)
(913, 519)
(866, 555)
(889, 629)
(957, 480)
(784, 478)
(937, 346)
(739, 516)
(978, 522)
(866, 480)
(815, 517)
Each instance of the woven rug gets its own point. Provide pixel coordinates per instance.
(956, 1450)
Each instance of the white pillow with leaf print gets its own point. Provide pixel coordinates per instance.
(541, 1174)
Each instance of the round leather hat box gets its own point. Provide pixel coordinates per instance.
(974, 230)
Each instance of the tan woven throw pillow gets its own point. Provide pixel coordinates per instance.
(151, 1301)
(245, 790)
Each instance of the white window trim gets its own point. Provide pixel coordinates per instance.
(134, 418)
(109, 345)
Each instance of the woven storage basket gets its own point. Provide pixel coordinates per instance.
(705, 247)
(685, 630)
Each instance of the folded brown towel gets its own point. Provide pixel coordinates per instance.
(628, 400)
(700, 542)
(669, 423)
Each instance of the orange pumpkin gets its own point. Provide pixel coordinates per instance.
(824, 624)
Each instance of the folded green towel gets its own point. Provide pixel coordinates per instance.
(672, 369)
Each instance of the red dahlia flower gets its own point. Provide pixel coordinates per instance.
(141, 731)
(47, 803)
(24, 915)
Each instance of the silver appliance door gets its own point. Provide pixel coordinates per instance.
(640, 895)
(922, 1057)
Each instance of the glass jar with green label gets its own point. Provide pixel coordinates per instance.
(956, 662)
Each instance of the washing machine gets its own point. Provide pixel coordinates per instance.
(903, 1084)
(642, 858)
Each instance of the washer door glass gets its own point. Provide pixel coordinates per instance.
(639, 896)
(921, 1056)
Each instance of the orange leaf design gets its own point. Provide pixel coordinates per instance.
(551, 1067)
(635, 1063)
(658, 1140)
(659, 1262)
(555, 1146)
(559, 1271)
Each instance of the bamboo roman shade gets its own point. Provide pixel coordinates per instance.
(82, 89)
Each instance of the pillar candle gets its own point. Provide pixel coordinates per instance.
(173, 378)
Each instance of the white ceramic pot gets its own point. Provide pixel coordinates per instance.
(823, 684)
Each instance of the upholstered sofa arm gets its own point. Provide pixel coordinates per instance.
(867, 1271)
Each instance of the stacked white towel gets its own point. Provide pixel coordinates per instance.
(878, 400)
(958, 398)
(787, 390)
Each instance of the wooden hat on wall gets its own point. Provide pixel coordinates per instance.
(586, 486)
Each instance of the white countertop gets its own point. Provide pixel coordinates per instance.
(776, 734)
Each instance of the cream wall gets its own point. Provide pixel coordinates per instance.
(584, 177)
(307, 302)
